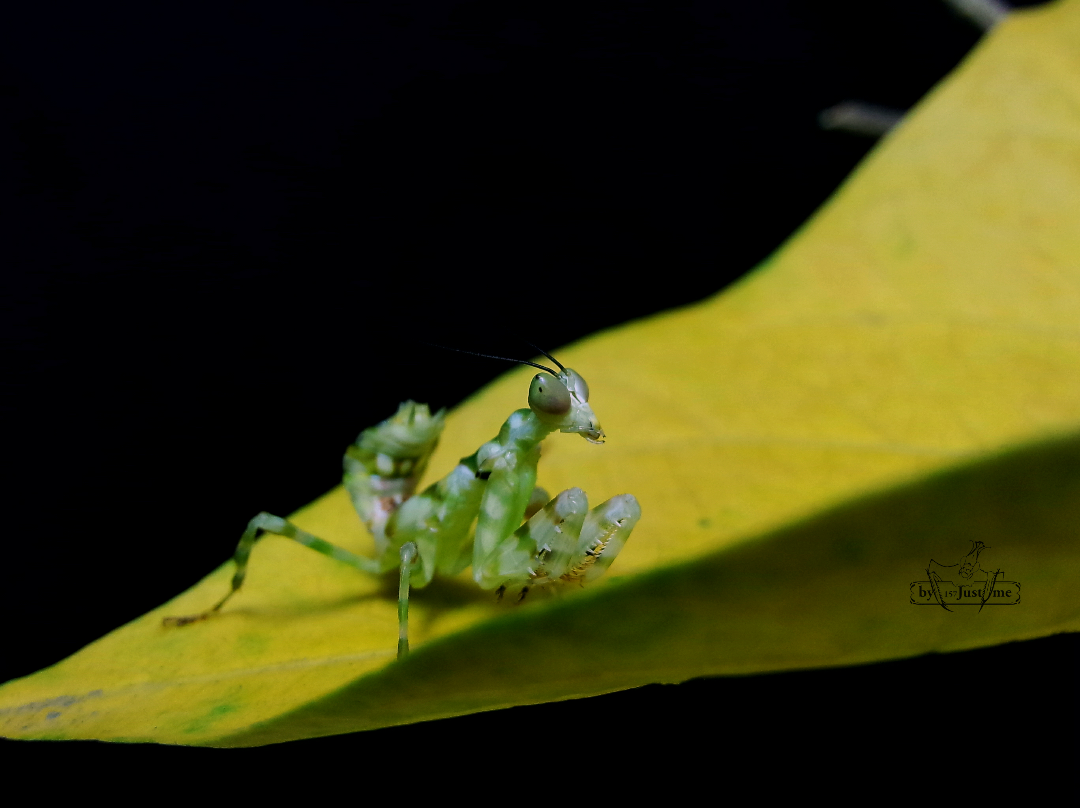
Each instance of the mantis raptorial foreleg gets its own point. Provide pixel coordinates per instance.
(563, 542)
(429, 533)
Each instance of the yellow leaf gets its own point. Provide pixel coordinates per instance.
(901, 379)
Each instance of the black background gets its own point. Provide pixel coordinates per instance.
(226, 225)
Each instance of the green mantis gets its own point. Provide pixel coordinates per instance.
(560, 541)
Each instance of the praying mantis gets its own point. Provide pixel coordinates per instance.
(521, 540)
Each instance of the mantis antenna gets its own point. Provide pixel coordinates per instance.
(545, 353)
(506, 358)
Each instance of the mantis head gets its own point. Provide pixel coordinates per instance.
(562, 400)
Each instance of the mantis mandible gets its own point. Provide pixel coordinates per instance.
(561, 540)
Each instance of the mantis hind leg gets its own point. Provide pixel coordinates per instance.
(259, 526)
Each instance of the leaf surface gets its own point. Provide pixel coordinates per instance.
(899, 380)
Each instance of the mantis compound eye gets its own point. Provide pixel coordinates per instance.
(548, 397)
(575, 384)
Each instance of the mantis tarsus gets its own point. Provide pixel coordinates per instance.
(560, 541)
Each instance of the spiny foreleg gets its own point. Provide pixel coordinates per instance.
(603, 535)
(563, 542)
